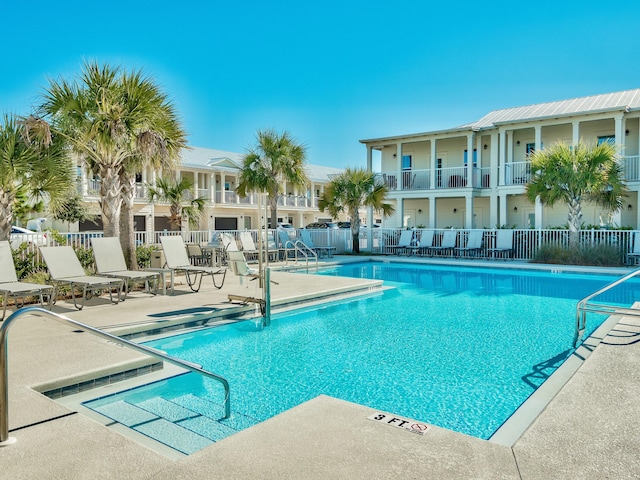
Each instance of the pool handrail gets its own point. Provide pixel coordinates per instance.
(4, 377)
(582, 307)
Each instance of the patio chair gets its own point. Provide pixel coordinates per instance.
(406, 239)
(248, 246)
(176, 259)
(448, 243)
(272, 249)
(504, 244)
(473, 246)
(11, 287)
(110, 263)
(320, 250)
(65, 269)
(634, 255)
(426, 241)
(197, 256)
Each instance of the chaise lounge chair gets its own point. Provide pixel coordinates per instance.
(473, 246)
(426, 241)
(110, 263)
(318, 250)
(65, 269)
(404, 244)
(504, 244)
(248, 245)
(448, 243)
(176, 258)
(11, 287)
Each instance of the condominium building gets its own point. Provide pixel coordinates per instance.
(215, 177)
(474, 175)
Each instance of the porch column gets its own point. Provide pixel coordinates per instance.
(576, 132)
(84, 181)
(502, 150)
(509, 156)
(212, 187)
(469, 212)
(538, 213)
(493, 210)
(619, 132)
(223, 192)
(502, 217)
(470, 138)
(494, 165)
(432, 169)
(370, 209)
(399, 183)
(432, 212)
(538, 137)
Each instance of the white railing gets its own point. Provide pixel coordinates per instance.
(204, 193)
(632, 168)
(517, 173)
(451, 177)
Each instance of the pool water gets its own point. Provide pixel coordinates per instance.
(460, 348)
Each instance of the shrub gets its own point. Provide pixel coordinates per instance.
(143, 255)
(594, 255)
(26, 261)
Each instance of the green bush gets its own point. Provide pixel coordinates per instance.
(26, 261)
(143, 255)
(595, 255)
(85, 255)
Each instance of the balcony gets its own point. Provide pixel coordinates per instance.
(517, 173)
(631, 166)
(451, 177)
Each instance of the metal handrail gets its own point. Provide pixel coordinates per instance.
(582, 307)
(4, 387)
(305, 250)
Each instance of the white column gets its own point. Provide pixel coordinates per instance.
(369, 209)
(470, 138)
(502, 217)
(469, 211)
(493, 210)
(432, 212)
(576, 132)
(538, 213)
(502, 156)
(212, 187)
(222, 190)
(399, 166)
(432, 174)
(619, 129)
(538, 137)
(494, 164)
(509, 156)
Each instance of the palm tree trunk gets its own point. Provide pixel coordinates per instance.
(111, 201)
(127, 234)
(273, 210)
(575, 221)
(6, 214)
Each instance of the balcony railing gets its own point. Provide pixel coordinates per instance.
(632, 168)
(517, 173)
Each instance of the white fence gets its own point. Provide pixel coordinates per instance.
(525, 242)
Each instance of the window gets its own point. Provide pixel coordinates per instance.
(531, 147)
(607, 138)
(227, 186)
(406, 162)
(475, 158)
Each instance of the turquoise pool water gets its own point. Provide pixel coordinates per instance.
(460, 348)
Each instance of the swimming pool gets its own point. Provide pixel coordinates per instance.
(460, 348)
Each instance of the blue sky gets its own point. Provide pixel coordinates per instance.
(330, 72)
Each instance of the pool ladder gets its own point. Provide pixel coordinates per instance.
(302, 249)
(583, 307)
(4, 387)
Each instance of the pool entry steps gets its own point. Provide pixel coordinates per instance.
(4, 387)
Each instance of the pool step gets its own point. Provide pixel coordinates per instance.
(186, 423)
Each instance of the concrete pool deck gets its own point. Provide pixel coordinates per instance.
(590, 429)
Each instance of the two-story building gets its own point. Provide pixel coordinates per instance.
(474, 175)
(215, 178)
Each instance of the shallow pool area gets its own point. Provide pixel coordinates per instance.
(460, 348)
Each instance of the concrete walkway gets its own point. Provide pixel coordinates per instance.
(591, 429)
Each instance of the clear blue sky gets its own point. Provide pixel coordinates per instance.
(329, 72)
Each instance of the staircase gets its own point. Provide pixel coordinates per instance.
(186, 423)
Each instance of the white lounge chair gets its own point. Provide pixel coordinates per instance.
(504, 244)
(11, 287)
(426, 241)
(110, 262)
(404, 244)
(65, 269)
(474, 244)
(176, 259)
(449, 239)
(319, 250)
(248, 246)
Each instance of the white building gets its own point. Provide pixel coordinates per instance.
(434, 182)
(215, 177)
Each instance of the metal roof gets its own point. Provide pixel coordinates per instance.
(623, 101)
(617, 101)
(220, 160)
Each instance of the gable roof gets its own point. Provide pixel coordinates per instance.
(622, 101)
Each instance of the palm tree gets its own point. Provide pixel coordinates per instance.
(174, 192)
(31, 162)
(351, 190)
(118, 123)
(275, 159)
(574, 174)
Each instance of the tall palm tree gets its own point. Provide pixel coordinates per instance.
(574, 174)
(351, 190)
(31, 162)
(118, 122)
(276, 158)
(175, 192)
